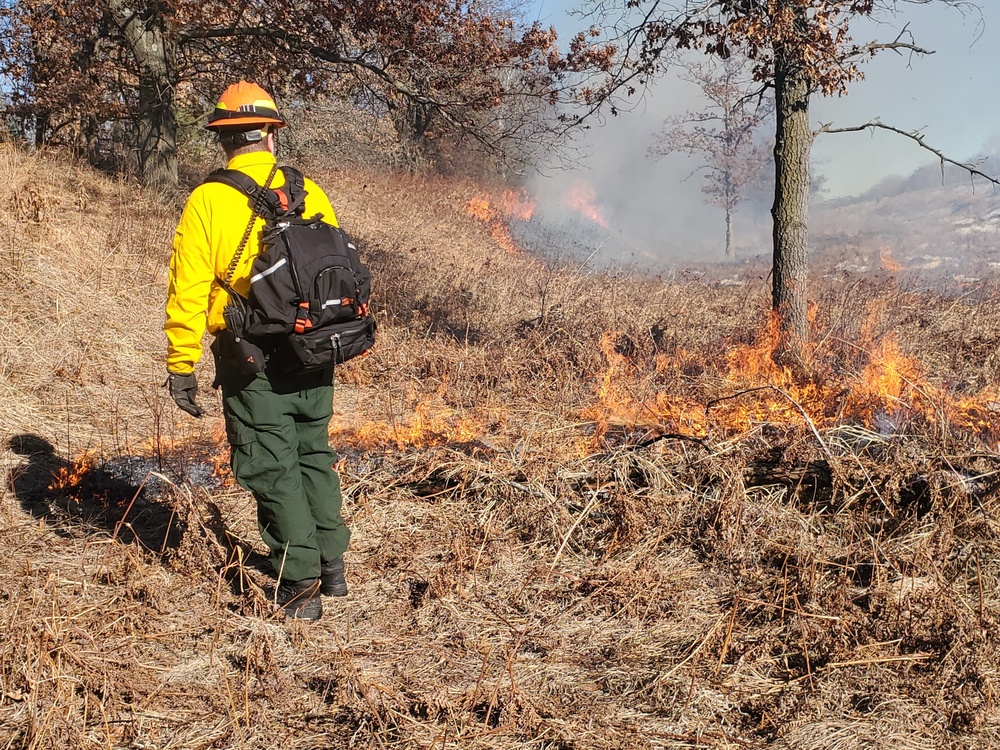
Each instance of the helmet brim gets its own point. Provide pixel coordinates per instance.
(241, 122)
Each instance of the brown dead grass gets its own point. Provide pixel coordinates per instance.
(519, 577)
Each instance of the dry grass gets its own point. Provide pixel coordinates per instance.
(535, 562)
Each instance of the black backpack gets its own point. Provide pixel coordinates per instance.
(308, 287)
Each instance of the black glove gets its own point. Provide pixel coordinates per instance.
(184, 388)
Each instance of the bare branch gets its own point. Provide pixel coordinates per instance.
(322, 53)
(298, 44)
(896, 45)
(918, 139)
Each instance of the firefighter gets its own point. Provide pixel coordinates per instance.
(276, 420)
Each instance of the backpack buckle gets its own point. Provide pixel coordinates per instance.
(302, 320)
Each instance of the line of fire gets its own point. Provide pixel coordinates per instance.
(875, 393)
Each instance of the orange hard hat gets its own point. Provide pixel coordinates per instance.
(245, 104)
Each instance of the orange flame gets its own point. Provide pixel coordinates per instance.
(889, 388)
(209, 445)
(889, 263)
(516, 204)
(513, 204)
(770, 392)
(980, 415)
(619, 405)
(68, 477)
(430, 423)
(889, 382)
(583, 199)
(221, 466)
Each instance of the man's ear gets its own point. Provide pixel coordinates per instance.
(271, 141)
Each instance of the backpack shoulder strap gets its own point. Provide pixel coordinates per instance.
(292, 195)
(257, 194)
(260, 196)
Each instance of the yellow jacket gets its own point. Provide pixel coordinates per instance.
(211, 227)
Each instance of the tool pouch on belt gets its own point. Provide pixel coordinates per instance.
(230, 347)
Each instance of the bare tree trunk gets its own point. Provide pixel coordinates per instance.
(88, 139)
(41, 75)
(41, 128)
(157, 131)
(792, 144)
(730, 200)
(411, 121)
(729, 231)
(152, 46)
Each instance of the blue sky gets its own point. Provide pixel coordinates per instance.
(952, 97)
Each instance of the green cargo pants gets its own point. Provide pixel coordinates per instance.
(277, 429)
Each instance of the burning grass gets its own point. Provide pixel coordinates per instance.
(588, 511)
(512, 204)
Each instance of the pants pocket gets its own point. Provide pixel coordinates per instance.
(238, 433)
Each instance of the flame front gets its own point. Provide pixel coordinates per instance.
(750, 389)
(618, 404)
(516, 204)
(582, 198)
(512, 204)
(68, 477)
(429, 422)
(889, 263)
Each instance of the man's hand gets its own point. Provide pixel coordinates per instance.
(184, 388)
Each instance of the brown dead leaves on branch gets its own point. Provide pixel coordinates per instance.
(436, 69)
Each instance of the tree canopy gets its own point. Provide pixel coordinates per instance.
(437, 68)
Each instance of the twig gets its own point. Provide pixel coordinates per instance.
(121, 521)
(852, 663)
(729, 635)
(792, 401)
(714, 401)
(878, 660)
(579, 519)
(667, 436)
(798, 611)
(699, 647)
(701, 738)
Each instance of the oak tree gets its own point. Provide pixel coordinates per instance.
(799, 48)
(435, 67)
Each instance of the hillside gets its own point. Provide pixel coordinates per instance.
(588, 510)
(934, 225)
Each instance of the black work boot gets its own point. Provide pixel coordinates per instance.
(300, 599)
(332, 577)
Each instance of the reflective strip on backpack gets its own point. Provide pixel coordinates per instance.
(269, 271)
(331, 303)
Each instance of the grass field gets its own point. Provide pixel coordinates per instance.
(588, 511)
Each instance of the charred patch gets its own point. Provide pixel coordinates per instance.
(325, 688)
(417, 592)
(489, 713)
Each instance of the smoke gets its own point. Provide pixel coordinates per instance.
(655, 208)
